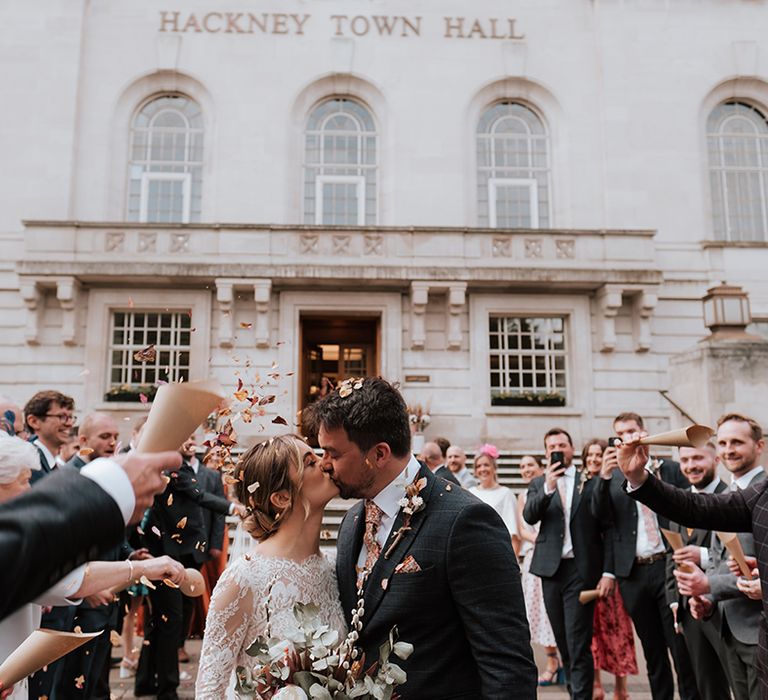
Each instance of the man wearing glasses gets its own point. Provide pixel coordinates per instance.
(49, 415)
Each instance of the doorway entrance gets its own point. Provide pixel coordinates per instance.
(335, 349)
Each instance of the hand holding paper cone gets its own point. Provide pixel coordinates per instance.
(733, 545)
(193, 584)
(588, 596)
(41, 648)
(692, 436)
(176, 412)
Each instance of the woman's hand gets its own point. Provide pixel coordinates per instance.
(161, 568)
(605, 587)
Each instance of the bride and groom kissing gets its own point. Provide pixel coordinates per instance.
(419, 552)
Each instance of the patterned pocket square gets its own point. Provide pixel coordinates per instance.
(408, 566)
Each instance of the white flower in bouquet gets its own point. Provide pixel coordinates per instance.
(290, 692)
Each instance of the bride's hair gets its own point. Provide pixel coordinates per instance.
(268, 465)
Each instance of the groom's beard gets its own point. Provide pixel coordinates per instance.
(361, 489)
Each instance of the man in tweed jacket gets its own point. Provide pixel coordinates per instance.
(731, 511)
(445, 574)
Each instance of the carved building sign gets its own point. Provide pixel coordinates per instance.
(293, 24)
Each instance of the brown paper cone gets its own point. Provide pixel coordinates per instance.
(41, 648)
(178, 409)
(675, 539)
(733, 545)
(193, 584)
(588, 596)
(692, 436)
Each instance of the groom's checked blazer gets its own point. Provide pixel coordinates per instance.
(463, 611)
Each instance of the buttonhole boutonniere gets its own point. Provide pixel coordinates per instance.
(583, 478)
(410, 503)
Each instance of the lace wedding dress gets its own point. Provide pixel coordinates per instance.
(255, 593)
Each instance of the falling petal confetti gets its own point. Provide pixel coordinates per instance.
(170, 499)
(143, 398)
(148, 354)
(79, 682)
(279, 420)
(182, 523)
(85, 451)
(148, 583)
(252, 487)
(246, 325)
(156, 531)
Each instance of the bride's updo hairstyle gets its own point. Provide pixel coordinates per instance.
(263, 470)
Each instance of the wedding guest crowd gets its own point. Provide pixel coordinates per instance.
(595, 537)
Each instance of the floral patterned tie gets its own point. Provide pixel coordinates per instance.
(649, 522)
(373, 515)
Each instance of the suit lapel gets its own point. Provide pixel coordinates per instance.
(576, 498)
(375, 588)
(347, 552)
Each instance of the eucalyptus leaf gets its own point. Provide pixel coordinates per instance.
(304, 680)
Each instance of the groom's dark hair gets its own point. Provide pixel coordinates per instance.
(370, 410)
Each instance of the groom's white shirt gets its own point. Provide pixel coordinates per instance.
(388, 500)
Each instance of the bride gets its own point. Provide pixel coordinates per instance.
(286, 492)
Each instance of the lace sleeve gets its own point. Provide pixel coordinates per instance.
(229, 617)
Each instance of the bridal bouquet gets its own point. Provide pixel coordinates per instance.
(310, 664)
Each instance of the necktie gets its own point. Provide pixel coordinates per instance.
(562, 491)
(649, 522)
(373, 515)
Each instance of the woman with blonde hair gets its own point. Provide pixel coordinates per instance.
(285, 490)
(489, 490)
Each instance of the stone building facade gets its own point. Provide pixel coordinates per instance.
(514, 209)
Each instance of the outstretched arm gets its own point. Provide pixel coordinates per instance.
(489, 600)
(729, 511)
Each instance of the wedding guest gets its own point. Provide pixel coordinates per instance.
(176, 515)
(702, 637)
(456, 461)
(734, 510)
(490, 491)
(613, 638)
(541, 630)
(12, 418)
(18, 459)
(432, 456)
(640, 560)
(443, 444)
(49, 415)
(571, 555)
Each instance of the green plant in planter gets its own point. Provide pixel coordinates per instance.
(528, 398)
(131, 392)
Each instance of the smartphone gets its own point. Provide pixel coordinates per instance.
(613, 440)
(557, 456)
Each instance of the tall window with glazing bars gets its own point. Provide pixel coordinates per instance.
(528, 358)
(737, 136)
(340, 171)
(165, 173)
(513, 189)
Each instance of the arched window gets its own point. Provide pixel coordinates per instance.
(512, 168)
(340, 165)
(165, 172)
(737, 134)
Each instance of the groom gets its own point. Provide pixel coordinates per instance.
(446, 574)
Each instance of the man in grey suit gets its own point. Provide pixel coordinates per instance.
(702, 637)
(423, 554)
(740, 447)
